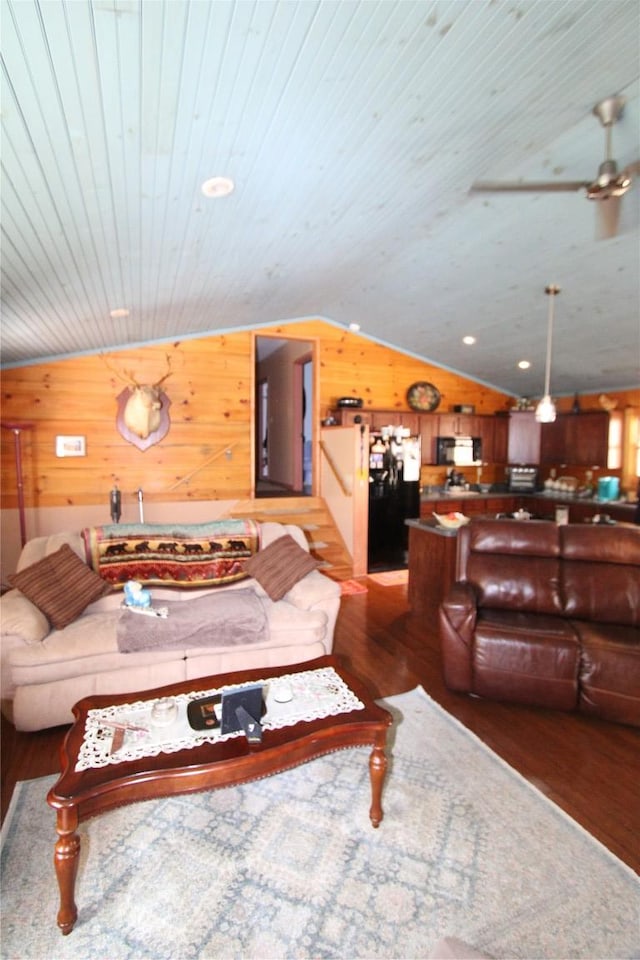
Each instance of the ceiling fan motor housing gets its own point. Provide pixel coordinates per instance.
(609, 182)
(609, 110)
(607, 185)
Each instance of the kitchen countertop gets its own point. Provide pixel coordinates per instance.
(432, 526)
(535, 497)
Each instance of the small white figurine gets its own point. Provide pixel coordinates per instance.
(136, 596)
(138, 600)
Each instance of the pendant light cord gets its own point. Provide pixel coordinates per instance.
(552, 290)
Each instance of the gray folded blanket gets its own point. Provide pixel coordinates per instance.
(231, 618)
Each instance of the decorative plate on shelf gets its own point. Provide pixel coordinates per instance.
(423, 397)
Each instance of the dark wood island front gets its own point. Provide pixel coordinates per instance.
(432, 564)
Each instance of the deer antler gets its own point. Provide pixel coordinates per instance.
(129, 378)
(126, 376)
(167, 374)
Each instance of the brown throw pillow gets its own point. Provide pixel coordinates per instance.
(60, 585)
(280, 566)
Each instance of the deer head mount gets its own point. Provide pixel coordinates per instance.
(143, 409)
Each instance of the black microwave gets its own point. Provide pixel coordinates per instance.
(458, 451)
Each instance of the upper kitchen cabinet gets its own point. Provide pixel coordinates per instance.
(350, 416)
(524, 437)
(494, 433)
(459, 425)
(428, 434)
(553, 441)
(396, 418)
(577, 439)
(376, 419)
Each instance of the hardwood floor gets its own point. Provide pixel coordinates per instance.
(590, 768)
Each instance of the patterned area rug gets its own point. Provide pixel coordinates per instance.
(291, 867)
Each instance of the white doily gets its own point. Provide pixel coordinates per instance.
(315, 694)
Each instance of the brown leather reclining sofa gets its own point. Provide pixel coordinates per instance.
(546, 615)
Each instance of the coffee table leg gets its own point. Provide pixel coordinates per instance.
(65, 859)
(377, 772)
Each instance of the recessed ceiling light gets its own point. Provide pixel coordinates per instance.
(217, 187)
(118, 312)
(468, 340)
(354, 326)
(524, 364)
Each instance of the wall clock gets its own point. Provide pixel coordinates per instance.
(423, 397)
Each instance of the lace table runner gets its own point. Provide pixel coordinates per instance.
(315, 694)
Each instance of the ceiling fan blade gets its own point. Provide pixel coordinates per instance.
(520, 186)
(608, 218)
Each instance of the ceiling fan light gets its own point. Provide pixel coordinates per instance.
(546, 410)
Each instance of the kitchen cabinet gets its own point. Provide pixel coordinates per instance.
(458, 425)
(553, 442)
(576, 439)
(396, 418)
(348, 416)
(494, 433)
(428, 434)
(492, 430)
(524, 438)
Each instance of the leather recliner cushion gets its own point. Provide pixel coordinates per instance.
(601, 573)
(513, 566)
(610, 671)
(508, 582)
(524, 658)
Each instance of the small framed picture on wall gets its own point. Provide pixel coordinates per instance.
(71, 447)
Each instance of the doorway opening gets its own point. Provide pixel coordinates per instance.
(284, 418)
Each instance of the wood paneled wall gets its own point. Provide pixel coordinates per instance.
(207, 454)
(212, 407)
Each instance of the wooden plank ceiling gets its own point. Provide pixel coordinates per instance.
(353, 132)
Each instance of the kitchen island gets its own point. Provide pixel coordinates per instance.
(433, 549)
(432, 565)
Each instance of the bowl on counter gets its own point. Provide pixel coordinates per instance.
(484, 487)
(451, 520)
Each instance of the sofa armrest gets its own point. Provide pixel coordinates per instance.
(458, 616)
(21, 618)
(314, 590)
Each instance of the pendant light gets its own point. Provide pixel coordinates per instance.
(546, 409)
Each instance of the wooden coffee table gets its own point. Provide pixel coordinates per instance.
(84, 793)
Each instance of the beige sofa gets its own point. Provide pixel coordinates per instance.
(45, 670)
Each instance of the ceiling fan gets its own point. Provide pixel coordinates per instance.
(609, 185)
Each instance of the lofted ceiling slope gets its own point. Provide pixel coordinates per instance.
(353, 132)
